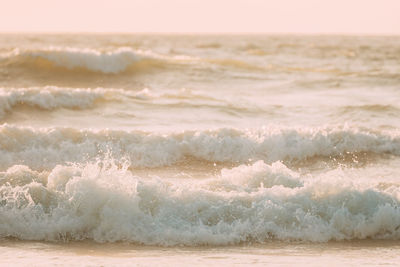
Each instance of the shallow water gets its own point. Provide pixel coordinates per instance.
(354, 253)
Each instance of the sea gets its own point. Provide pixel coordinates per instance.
(194, 150)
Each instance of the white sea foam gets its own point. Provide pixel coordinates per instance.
(106, 204)
(47, 147)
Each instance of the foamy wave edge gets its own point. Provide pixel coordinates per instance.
(52, 97)
(255, 203)
(107, 62)
(47, 147)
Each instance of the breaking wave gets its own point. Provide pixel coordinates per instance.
(45, 148)
(51, 97)
(254, 203)
(108, 62)
(116, 61)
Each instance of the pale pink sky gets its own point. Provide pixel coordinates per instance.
(240, 16)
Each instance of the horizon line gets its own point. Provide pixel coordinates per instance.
(201, 33)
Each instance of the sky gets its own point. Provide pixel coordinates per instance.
(202, 16)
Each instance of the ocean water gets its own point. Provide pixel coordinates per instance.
(199, 149)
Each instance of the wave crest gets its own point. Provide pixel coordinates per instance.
(108, 62)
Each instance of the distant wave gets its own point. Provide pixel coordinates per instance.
(247, 204)
(54, 97)
(117, 61)
(51, 97)
(45, 148)
(372, 108)
(209, 45)
(108, 62)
